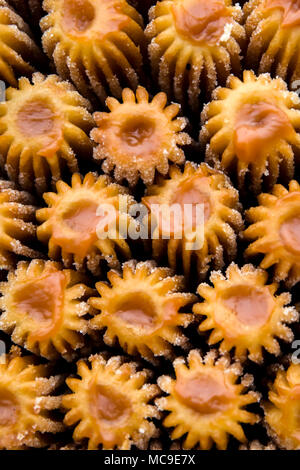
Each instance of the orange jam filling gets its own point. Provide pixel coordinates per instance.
(108, 404)
(8, 408)
(137, 310)
(81, 221)
(42, 300)
(290, 11)
(203, 393)
(252, 306)
(201, 21)
(138, 135)
(111, 408)
(82, 218)
(258, 126)
(290, 234)
(79, 16)
(35, 118)
(193, 193)
(189, 207)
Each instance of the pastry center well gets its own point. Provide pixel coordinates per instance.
(252, 306)
(201, 21)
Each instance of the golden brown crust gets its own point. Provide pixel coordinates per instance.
(142, 309)
(245, 313)
(205, 403)
(18, 225)
(78, 215)
(273, 32)
(44, 128)
(110, 404)
(94, 43)
(206, 240)
(18, 52)
(282, 409)
(26, 402)
(139, 136)
(44, 309)
(252, 127)
(274, 232)
(194, 46)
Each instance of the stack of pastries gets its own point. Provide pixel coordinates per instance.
(112, 340)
